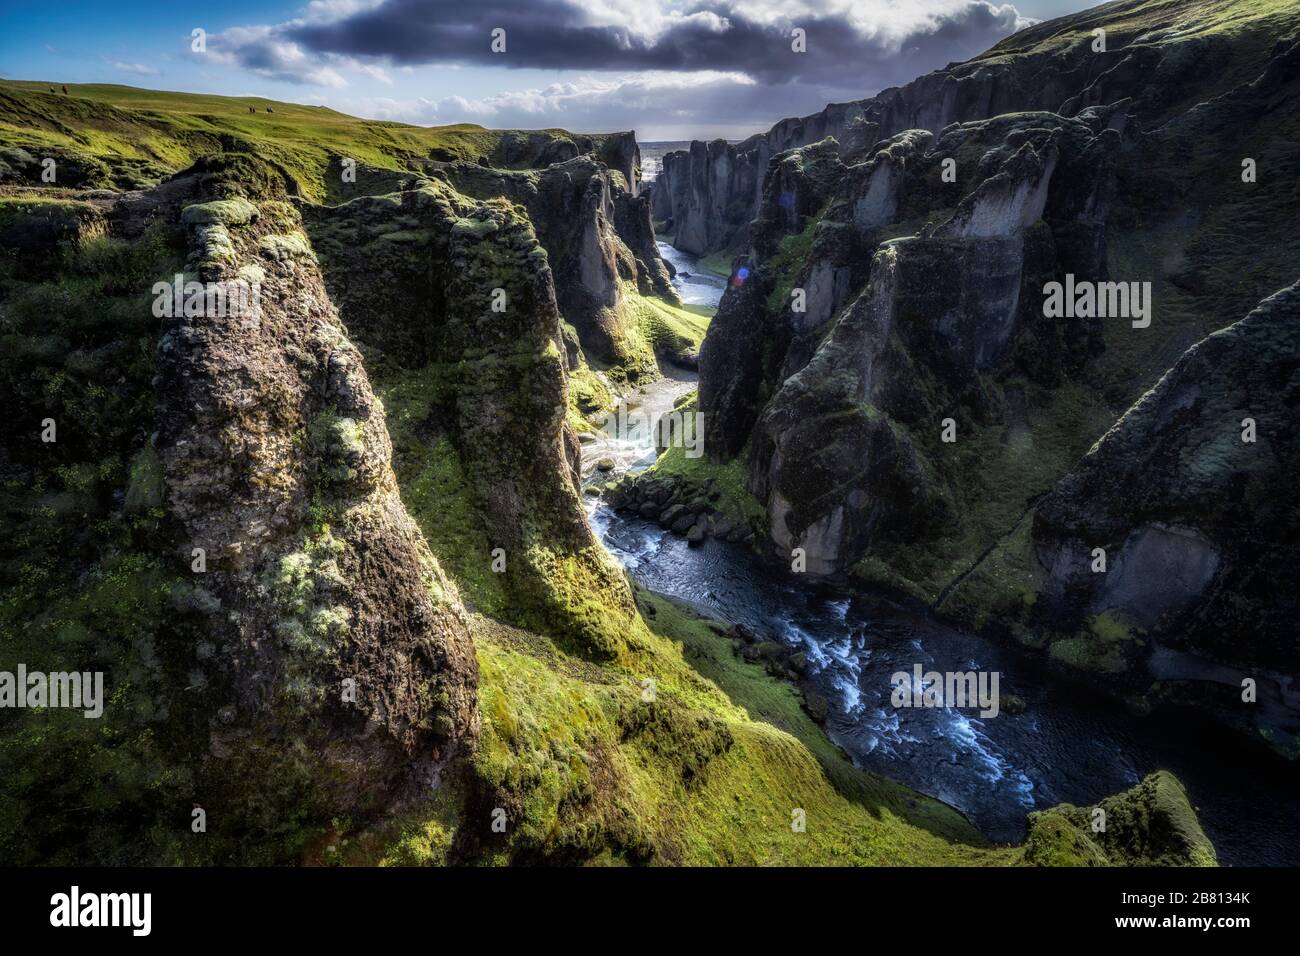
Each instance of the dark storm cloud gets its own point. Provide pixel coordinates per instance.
(709, 35)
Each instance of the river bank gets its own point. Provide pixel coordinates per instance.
(1066, 746)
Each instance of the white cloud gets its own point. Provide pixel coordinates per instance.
(706, 64)
(139, 69)
(654, 103)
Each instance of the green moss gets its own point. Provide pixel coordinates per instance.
(783, 267)
(1085, 654)
(1110, 627)
(1001, 588)
(629, 350)
(995, 472)
(718, 263)
(424, 838)
(729, 480)
(300, 586)
(1153, 824)
(474, 228)
(144, 490)
(122, 766)
(680, 753)
(91, 580)
(875, 572)
(434, 486)
(69, 212)
(414, 237)
(674, 333)
(237, 211)
(1053, 840)
(295, 245)
(338, 444)
(589, 395)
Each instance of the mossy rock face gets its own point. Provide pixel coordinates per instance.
(597, 242)
(1151, 825)
(227, 212)
(144, 490)
(305, 508)
(294, 245)
(1180, 495)
(921, 349)
(1170, 533)
(85, 568)
(477, 314)
(219, 530)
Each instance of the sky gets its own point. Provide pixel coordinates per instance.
(668, 69)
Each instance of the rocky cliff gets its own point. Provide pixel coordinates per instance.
(311, 508)
(291, 645)
(1161, 59)
(274, 458)
(598, 239)
(889, 373)
(463, 297)
(1154, 561)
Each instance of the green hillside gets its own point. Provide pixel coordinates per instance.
(128, 138)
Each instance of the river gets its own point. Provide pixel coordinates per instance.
(1068, 746)
(695, 284)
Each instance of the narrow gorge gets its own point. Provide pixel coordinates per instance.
(456, 496)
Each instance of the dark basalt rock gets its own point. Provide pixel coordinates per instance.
(306, 603)
(818, 707)
(597, 235)
(710, 192)
(835, 455)
(1186, 509)
(503, 398)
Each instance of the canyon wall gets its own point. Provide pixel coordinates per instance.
(885, 370)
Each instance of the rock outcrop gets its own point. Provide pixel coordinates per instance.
(465, 293)
(342, 648)
(1159, 561)
(1152, 824)
(707, 195)
(598, 238)
(1182, 492)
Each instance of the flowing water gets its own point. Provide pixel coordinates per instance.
(695, 284)
(1068, 745)
(619, 443)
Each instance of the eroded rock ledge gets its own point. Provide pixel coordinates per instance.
(341, 647)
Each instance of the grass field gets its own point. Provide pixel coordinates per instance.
(129, 136)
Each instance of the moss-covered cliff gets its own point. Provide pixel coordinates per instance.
(321, 532)
(887, 370)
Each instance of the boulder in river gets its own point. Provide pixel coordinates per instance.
(818, 707)
(698, 532)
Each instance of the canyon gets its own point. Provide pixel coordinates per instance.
(899, 261)
(370, 584)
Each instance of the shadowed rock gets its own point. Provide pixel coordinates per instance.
(342, 648)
